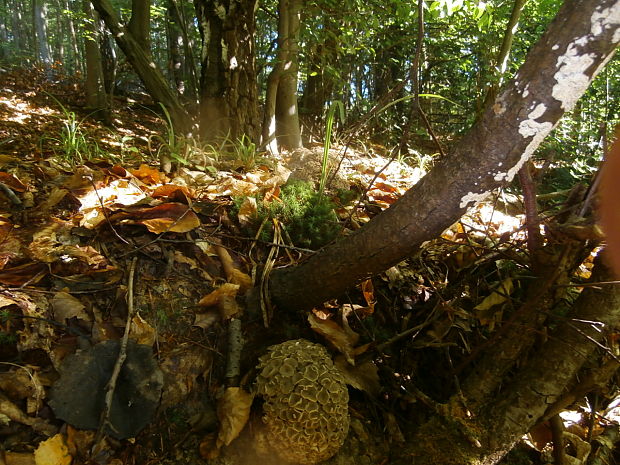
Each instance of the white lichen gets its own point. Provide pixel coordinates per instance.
(472, 197)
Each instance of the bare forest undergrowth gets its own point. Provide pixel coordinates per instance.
(97, 242)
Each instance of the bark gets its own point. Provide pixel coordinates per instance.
(77, 62)
(140, 23)
(96, 98)
(40, 26)
(151, 76)
(493, 430)
(228, 90)
(557, 71)
(281, 115)
(175, 42)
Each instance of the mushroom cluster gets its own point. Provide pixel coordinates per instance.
(305, 409)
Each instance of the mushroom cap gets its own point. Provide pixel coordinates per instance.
(305, 409)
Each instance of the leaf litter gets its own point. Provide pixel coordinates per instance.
(67, 236)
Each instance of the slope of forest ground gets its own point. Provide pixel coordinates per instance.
(96, 238)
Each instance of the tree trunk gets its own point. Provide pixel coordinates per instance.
(96, 98)
(228, 90)
(68, 18)
(281, 115)
(287, 114)
(140, 23)
(558, 70)
(485, 437)
(504, 53)
(40, 26)
(151, 76)
(175, 41)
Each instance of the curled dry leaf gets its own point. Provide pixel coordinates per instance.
(233, 411)
(338, 336)
(247, 211)
(54, 451)
(148, 175)
(66, 306)
(168, 217)
(142, 332)
(364, 377)
(225, 290)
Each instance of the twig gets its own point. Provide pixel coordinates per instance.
(122, 355)
(557, 435)
(10, 194)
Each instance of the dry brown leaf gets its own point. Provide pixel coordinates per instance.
(19, 458)
(148, 175)
(79, 441)
(247, 211)
(242, 279)
(208, 447)
(364, 377)
(233, 411)
(168, 217)
(13, 412)
(142, 332)
(342, 340)
(66, 306)
(226, 289)
(54, 451)
(207, 319)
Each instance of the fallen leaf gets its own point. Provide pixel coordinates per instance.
(207, 319)
(168, 217)
(142, 332)
(19, 458)
(342, 340)
(54, 451)
(233, 411)
(247, 211)
(364, 377)
(79, 441)
(66, 306)
(226, 289)
(148, 175)
(499, 296)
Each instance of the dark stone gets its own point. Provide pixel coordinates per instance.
(78, 396)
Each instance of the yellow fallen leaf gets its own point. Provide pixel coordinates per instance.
(499, 296)
(54, 451)
(233, 411)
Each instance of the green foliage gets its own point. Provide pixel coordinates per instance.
(245, 152)
(336, 105)
(75, 146)
(309, 218)
(171, 145)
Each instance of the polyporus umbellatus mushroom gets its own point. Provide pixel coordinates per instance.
(305, 410)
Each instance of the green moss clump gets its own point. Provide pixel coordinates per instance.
(309, 218)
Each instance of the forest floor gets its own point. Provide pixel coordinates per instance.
(96, 242)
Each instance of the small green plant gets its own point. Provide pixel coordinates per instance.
(329, 123)
(308, 217)
(73, 140)
(172, 147)
(245, 152)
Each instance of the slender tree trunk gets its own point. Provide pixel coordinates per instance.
(175, 42)
(140, 23)
(228, 91)
(287, 113)
(281, 116)
(96, 98)
(39, 9)
(149, 73)
(76, 60)
(504, 53)
(557, 71)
